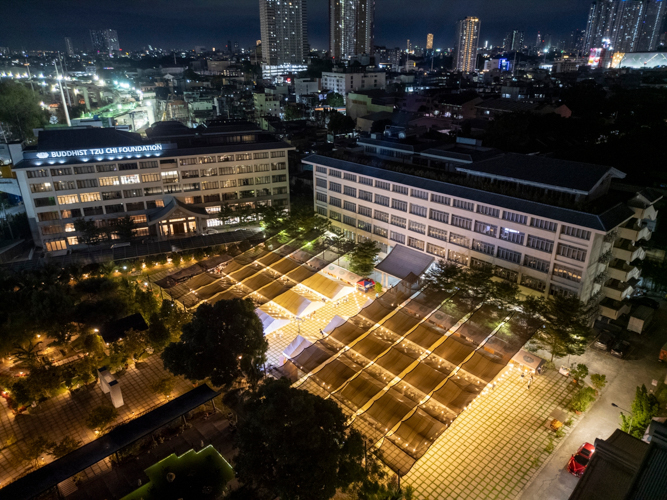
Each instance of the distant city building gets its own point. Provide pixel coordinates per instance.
(351, 27)
(346, 82)
(69, 48)
(576, 41)
(408, 46)
(467, 41)
(513, 41)
(625, 25)
(429, 41)
(104, 41)
(284, 29)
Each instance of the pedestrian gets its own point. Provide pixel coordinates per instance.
(523, 374)
(321, 332)
(529, 382)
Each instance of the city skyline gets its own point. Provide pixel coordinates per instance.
(210, 24)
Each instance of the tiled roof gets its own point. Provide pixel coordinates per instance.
(604, 222)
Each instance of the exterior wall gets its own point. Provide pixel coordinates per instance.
(344, 83)
(587, 269)
(245, 180)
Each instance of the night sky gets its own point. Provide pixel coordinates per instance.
(42, 24)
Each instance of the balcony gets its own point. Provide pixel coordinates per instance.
(613, 309)
(624, 250)
(617, 290)
(633, 231)
(642, 212)
(621, 271)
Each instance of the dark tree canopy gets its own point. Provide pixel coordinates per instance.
(363, 256)
(216, 342)
(19, 109)
(295, 445)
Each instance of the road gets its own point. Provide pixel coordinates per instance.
(553, 482)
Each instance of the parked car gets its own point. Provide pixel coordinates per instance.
(620, 348)
(604, 341)
(579, 461)
(210, 231)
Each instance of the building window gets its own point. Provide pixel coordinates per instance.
(228, 184)
(127, 166)
(334, 215)
(415, 243)
(276, 154)
(382, 200)
(55, 172)
(223, 158)
(506, 274)
(398, 221)
(365, 211)
(365, 226)
(543, 224)
(436, 250)
(321, 197)
(64, 185)
(131, 193)
(480, 264)
(572, 252)
(208, 172)
(540, 244)
(135, 207)
(320, 169)
(399, 205)
(74, 213)
(335, 187)
(260, 156)
(187, 161)
(416, 193)
(464, 205)
(245, 169)
(567, 273)
(210, 185)
(243, 156)
(514, 217)
(321, 182)
(398, 237)
(512, 235)
(335, 173)
(457, 257)
(89, 211)
(437, 233)
(350, 207)
(365, 195)
(114, 209)
(461, 222)
(111, 195)
(133, 179)
(397, 188)
(152, 191)
(148, 164)
(418, 210)
(483, 247)
(560, 291)
(533, 283)
(417, 227)
(84, 169)
(40, 188)
(172, 188)
(265, 167)
(86, 183)
(443, 200)
(575, 232)
(55, 245)
(380, 231)
(44, 202)
(34, 174)
(383, 216)
(168, 177)
(47, 216)
(322, 211)
(248, 181)
(349, 177)
(336, 202)
(383, 185)
(88, 197)
(68, 199)
(439, 216)
(366, 181)
(508, 255)
(537, 264)
(460, 240)
(232, 171)
(111, 181)
(112, 167)
(490, 211)
(186, 174)
(349, 191)
(484, 228)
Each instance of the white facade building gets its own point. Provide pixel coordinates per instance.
(344, 83)
(546, 249)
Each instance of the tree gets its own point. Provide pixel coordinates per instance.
(443, 275)
(100, 417)
(363, 257)
(579, 372)
(598, 380)
(644, 407)
(20, 110)
(216, 342)
(89, 232)
(341, 244)
(67, 445)
(124, 228)
(335, 100)
(164, 386)
(28, 353)
(271, 216)
(339, 124)
(158, 334)
(293, 444)
(293, 113)
(477, 285)
(565, 331)
(227, 215)
(173, 318)
(35, 448)
(505, 293)
(583, 399)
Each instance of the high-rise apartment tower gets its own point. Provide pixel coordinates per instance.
(351, 28)
(467, 41)
(284, 28)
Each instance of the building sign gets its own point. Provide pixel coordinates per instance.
(117, 151)
(594, 57)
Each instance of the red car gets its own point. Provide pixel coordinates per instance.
(579, 461)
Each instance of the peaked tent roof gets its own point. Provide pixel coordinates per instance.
(402, 261)
(332, 290)
(296, 304)
(269, 323)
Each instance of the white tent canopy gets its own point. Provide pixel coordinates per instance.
(342, 274)
(332, 290)
(295, 348)
(296, 304)
(333, 324)
(270, 323)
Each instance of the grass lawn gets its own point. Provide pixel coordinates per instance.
(200, 475)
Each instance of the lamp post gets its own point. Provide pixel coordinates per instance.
(622, 409)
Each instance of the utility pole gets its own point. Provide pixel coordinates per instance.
(69, 101)
(62, 94)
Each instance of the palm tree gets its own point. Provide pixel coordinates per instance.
(28, 354)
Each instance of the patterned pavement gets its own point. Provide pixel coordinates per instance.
(494, 447)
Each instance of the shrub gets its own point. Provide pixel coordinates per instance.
(161, 259)
(598, 380)
(199, 254)
(644, 407)
(186, 256)
(378, 287)
(549, 448)
(100, 417)
(164, 386)
(175, 258)
(583, 399)
(579, 372)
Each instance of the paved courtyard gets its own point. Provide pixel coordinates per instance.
(66, 415)
(494, 447)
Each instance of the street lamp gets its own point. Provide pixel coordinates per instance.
(616, 406)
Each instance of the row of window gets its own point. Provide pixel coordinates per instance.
(231, 157)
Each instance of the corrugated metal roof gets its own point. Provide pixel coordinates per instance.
(604, 222)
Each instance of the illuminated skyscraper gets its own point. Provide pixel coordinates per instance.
(601, 23)
(284, 28)
(429, 41)
(467, 41)
(651, 29)
(69, 48)
(351, 27)
(513, 41)
(104, 41)
(629, 18)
